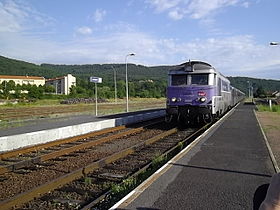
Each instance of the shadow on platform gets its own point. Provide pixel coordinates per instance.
(222, 170)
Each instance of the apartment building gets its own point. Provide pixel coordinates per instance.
(21, 80)
(62, 84)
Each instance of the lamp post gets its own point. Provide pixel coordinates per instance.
(272, 43)
(126, 80)
(115, 81)
(249, 95)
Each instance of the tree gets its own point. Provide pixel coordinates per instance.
(7, 87)
(49, 89)
(260, 92)
(73, 91)
(17, 93)
(104, 92)
(81, 91)
(121, 89)
(35, 92)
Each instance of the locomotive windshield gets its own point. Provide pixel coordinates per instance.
(199, 79)
(179, 80)
(192, 79)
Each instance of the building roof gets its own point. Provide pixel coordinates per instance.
(57, 78)
(21, 77)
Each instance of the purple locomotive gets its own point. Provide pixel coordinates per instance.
(197, 93)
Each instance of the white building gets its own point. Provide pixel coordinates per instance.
(21, 80)
(62, 84)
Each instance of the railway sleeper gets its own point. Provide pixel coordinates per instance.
(46, 164)
(109, 169)
(73, 188)
(44, 151)
(28, 155)
(11, 160)
(110, 177)
(22, 171)
(61, 158)
(71, 155)
(82, 151)
(69, 202)
(3, 178)
(3, 163)
(55, 148)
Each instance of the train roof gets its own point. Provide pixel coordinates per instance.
(196, 62)
(192, 66)
(195, 66)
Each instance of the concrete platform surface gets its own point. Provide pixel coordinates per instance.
(222, 171)
(42, 131)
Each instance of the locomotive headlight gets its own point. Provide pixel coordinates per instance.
(173, 99)
(179, 99)
(202, 99)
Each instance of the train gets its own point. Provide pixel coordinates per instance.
(198, 93)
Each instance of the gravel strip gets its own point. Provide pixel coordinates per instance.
(270, 122)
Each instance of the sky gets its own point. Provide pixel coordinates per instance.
(231, 35)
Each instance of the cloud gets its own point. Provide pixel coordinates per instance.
(233, 55)
(98, 15)
(236, 55)
(16, 16)
(200, 9)
(119, 26)
(11, 16)
(176, 14)
(84, 30)
(163, 5)
(246, 4)
(194, 9)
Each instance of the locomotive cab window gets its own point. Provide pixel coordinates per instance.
(199, 79)
(179, 80)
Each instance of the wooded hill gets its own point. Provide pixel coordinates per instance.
(15, 67)
(136, 74)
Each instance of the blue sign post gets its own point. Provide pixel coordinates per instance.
(95, 80)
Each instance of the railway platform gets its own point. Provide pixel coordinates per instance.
(220, 170)
(59, 122)
(40, 131)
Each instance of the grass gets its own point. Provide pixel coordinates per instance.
(16, 115)
(266, 108)
(56, 102)
(43, 102)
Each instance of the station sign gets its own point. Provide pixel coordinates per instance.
(95, 79)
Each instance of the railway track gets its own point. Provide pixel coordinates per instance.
(26, 157)
(78, 177)
(37, 172)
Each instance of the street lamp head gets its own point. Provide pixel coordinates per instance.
(131, 54)
(274, 43)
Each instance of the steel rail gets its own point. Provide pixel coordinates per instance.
(186, 140)
(40, 190)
